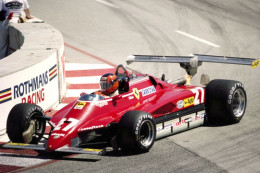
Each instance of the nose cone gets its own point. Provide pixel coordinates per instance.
(56, 141)
(60, 137)
(65, 130)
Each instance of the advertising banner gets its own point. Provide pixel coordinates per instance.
(37, 84)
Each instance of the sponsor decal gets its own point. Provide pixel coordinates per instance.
(5, 95)
(80, 105)
(149, 99)
(92, 127)
(182, 122)
(53, 72)
(131, 97)
(30, 86)
(137, 129)
(100, 103)
(148, 90)
(180, 104)
(185, 103)
(136, 93)
(57, 134)
(188, 101)
(200, 115)
(231, 92)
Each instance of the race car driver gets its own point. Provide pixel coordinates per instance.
(108, 85)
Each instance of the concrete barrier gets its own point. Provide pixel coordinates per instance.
(34, 71)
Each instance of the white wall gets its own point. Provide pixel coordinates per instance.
(35, 72)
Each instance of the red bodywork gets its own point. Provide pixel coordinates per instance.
(145, 93)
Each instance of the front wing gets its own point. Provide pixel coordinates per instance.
(41, 147)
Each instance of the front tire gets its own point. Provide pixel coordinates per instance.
(137, 132)
(225, 101)
(24, 123)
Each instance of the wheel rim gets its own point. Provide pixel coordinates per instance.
(239, 103)
(39, 126)
(146, 133)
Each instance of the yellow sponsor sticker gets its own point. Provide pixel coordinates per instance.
(91, 149)
(255, 63)
(136, 93)
(189, 101)
(18, 144)
(80, 105)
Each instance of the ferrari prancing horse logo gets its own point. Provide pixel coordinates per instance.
(136, 93)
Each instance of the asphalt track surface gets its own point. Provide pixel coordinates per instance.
(112, 30)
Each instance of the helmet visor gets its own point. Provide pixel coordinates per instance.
(104, 85)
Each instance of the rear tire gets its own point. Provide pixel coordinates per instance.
(137, 132)
(225, 101)
(19, 119)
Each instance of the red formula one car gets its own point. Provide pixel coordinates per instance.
(145, 109)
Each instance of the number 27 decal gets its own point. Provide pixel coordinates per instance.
(197, 91)
(71, 122)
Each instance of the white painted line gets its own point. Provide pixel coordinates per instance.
(83, 80)
(197, 38)
(107, 3)
(77, 92)
(79, 66)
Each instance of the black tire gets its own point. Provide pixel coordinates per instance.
(19, 119)
(225, 101)
(137, 132)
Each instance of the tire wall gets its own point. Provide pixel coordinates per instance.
(34, 70)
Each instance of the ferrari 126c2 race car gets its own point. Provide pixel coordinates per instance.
(146, 109)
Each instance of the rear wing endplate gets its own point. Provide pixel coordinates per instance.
(191, 63)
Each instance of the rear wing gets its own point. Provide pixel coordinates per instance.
(191, 63)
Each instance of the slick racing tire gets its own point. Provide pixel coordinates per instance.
(137, 132)
(24, 123)
(225, 101)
